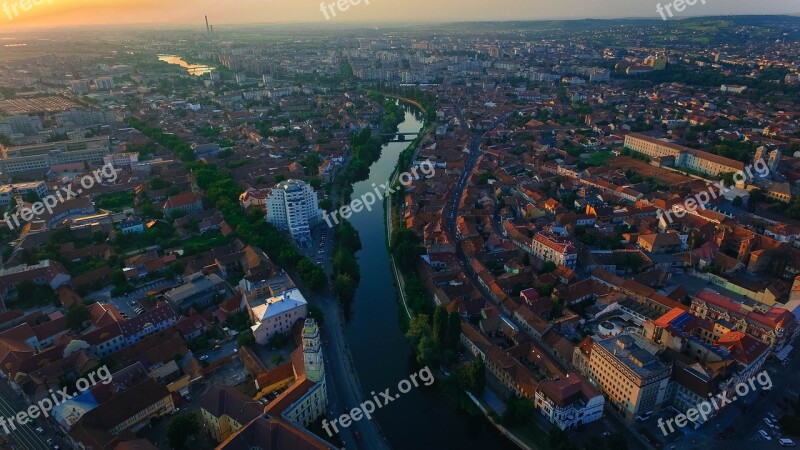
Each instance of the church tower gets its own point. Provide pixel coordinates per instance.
(312, 352)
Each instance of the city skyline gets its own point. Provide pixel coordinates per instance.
(54, 13)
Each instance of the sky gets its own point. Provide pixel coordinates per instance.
(221, 12)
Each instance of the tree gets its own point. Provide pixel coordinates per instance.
(246, 339)
(118, 278)
(558, 439)
(549, 266)
(177, 268)
(347, 237)
(473, 376)
(453, 330)
(427, 351)
(518, 411)
(345, 287)
(315, 312)
(440, 326)
(76, 317)
(418, 328)
(31, 197)
(181, 428)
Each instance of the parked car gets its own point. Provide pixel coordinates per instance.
(786, 443)
(203, 357)
(39, 430)
(765, 435)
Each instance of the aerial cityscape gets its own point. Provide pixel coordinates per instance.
(374, 224)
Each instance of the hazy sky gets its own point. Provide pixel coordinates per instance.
(81, 12)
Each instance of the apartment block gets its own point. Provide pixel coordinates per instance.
(40, 157)
(697, 160)
(292, 205)
(629, 373)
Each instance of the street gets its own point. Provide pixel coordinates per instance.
(24, 436)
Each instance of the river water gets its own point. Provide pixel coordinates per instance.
(422, 418)
(193, 69)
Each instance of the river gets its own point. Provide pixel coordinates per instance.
(422, 418)
(193, 69)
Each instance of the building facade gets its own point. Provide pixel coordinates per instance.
(277, 314)
(43, 156)
(549, 247)
(293, 206)
(627, 370)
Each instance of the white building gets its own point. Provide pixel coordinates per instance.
(122, 159)
(569, 402)
(9, 191)
(549, 247)
(277, 314)
(292, 205)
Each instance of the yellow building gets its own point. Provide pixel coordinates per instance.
(627, 370)
(226, 410)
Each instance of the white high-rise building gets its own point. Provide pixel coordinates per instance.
(292, 205)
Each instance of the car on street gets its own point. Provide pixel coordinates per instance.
(39, 430)
(203, 358)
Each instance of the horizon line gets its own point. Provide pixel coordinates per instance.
(372, 25)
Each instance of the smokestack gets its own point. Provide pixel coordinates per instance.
(207, 29)
(212, 29)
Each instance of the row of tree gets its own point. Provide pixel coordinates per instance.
(346, 272)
